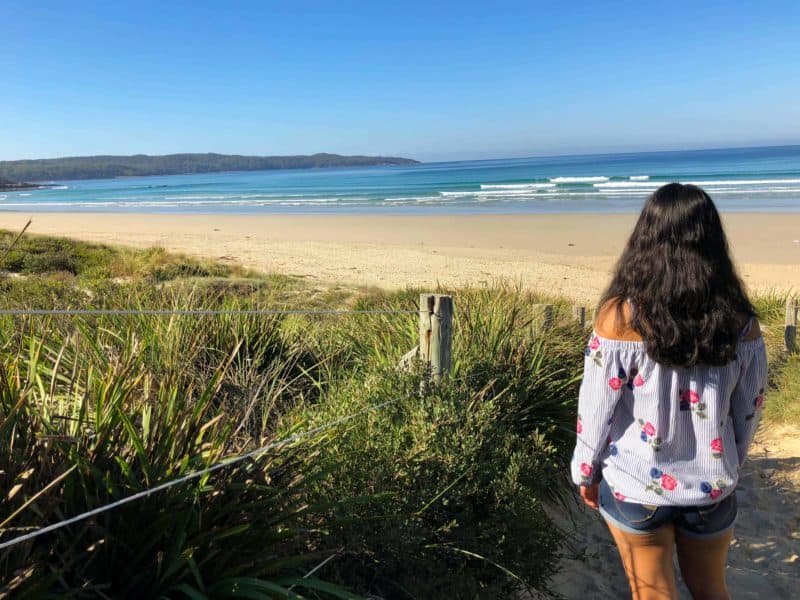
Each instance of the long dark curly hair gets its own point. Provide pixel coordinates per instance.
(689, 304)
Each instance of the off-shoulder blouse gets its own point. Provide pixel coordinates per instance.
(661, 435)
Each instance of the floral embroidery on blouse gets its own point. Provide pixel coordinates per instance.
(648, 434)
(757, 404)
(594, 352)
(632, 379)
(627, 409)
(713, 489)
(661, 481)
(716, 447)
(690, 400)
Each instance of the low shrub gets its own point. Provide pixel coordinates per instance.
(464, 470)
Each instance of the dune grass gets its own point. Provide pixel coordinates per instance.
(440, 493)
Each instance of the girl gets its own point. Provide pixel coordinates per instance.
(673, 386)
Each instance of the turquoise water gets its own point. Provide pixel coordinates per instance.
(750, 179)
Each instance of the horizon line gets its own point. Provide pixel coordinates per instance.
(429, 162)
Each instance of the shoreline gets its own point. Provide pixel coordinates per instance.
(566, 254)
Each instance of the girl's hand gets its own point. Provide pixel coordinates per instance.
(589, 494)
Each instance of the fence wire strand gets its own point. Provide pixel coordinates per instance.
(197, 312)
(195, 474)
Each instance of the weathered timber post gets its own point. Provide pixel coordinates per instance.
(542, 318)
(579, 314)
(790, 329)
(436, 333)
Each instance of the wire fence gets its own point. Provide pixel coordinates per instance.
(196, 312)
(196, 474)
(225, 462)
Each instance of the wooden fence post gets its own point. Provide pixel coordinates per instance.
(790, 329)
(542, 318)
(436, 333)
(579, 314)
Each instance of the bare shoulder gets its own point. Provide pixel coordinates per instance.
(613, 321)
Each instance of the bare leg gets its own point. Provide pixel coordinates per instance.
(647, 559)
(702, 563)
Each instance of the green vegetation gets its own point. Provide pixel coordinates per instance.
(783, 402)
(99, 167)
(446, 491)
(6, 185)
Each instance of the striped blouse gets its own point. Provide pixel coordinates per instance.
(661, 435)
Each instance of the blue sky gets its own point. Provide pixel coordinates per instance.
(429, 80)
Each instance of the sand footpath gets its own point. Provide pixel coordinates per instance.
(764, 559)
(565, 254)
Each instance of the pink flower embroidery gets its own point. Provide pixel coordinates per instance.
(648, 434)
(716, 448)
(595, 343)
(586, 470)
(619, 496)
(759, 400)
(668, 482)
(579, 426)
(638, 381)
(715, 493)
(615, 383)
(690, 396)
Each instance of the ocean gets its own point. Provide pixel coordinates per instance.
(738, 179)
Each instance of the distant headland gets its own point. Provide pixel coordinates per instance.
(105, 167)
(6, 185)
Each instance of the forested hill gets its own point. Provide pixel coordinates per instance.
(98, 167)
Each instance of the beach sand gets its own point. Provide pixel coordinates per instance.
(570, 255)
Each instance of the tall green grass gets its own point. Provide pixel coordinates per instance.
(93, 411)
(442, 491)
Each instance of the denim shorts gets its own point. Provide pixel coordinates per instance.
(693, 521)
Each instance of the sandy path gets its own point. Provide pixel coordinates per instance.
(564, 254)
(764, 560)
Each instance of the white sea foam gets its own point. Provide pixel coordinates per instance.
(199, 197)
(511, 192)
(746, 182)
(60, 187)
(716, 182)
(639, 177)
(515, 186)
(629, 184)
(577, 179)
(504, 192)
